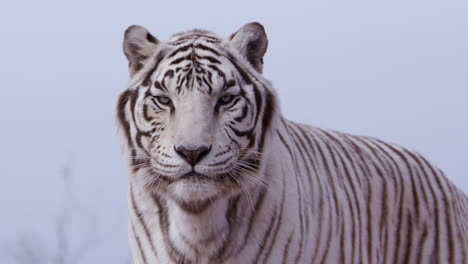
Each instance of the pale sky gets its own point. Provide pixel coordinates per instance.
(396, 70)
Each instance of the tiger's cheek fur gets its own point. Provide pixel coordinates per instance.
(153, 137)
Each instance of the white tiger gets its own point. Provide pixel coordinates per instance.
(219, 176)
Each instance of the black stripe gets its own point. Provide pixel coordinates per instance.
(268, 113)
(268, 232)
(301, 221)
(141, 220)
(178, 50)
(286, 248)
(208, 58)
(279, 222)
(140, 249)
(176, 61)
(147, 79)
(204, 47)
(172, 251)
(258, 205)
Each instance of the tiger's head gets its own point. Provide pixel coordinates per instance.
(197, 115)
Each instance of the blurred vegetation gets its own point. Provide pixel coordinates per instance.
(66, 249)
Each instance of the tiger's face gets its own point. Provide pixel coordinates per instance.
(197, 113)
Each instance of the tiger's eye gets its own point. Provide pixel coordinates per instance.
(226, 99)
(163, 100)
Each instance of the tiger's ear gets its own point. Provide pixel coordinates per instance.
(252, 43)
(138, 46)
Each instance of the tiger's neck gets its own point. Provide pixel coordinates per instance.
(167, 232)
(195, 234)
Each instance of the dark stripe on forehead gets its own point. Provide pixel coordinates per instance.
(158, 85)
(229, 84)
(181, 49)
(217, 70)
(208, 84)
(194, 31)
(169, 73)
(176, 61)
(147, 80)
(162, 85)
(209, 58)
(212, 41)
(247, 79)
(203, 47)
(195, 36)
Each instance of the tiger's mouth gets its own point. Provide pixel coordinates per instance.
(194, 187)
(192, 176)
(195, 176)
(198, 187)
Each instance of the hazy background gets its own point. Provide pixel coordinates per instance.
(396, 70)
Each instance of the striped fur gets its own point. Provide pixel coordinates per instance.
(268, 190)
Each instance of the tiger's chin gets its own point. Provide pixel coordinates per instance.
(197, 188)
(193, 191)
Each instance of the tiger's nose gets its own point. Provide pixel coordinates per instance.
(192, 156)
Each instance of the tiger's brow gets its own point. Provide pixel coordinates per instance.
(229, 84)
